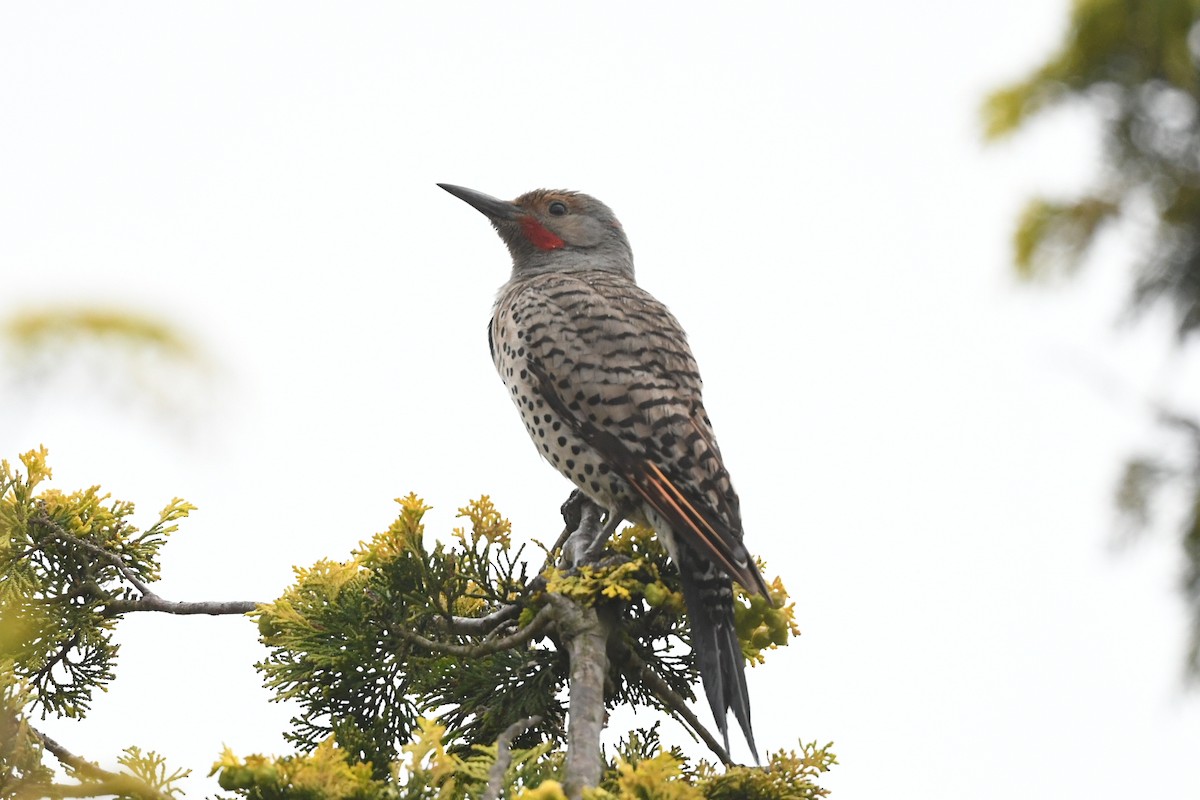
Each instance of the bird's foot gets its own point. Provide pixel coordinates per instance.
(572, 509)
(581, 540)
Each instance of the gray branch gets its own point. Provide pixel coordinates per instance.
(149, 601)
(153, 602)
(504, 755)
(479, 626)
(585, 637)
(520, 637)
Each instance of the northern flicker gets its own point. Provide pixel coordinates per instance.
(607, 387)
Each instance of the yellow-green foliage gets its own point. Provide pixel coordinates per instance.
(352, 642)
(112, 353)
(66, 558)
(1137, 54)
(638, 575)
(325, 773)
(762, 625)
(1058, 234)
(788, 775)
(342, 639)
(661, 777)
(21, 768)
(151, 770)
(1113, 40)
(426, 770)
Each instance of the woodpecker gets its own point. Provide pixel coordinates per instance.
(607, 387)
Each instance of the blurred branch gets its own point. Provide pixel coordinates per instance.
(495, 782)
(38, 330)
(135, 358)
(99, 782)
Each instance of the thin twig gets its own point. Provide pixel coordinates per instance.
(149, 601)
(156, 603)
(504, 755)
(535, 626)
(663, 691)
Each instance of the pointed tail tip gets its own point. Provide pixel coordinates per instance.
(753, 748)
(743, 717)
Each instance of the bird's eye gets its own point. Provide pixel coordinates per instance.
(557, 208)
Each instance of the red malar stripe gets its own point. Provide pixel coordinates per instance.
(538, 236)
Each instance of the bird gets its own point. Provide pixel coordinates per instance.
(607, 386)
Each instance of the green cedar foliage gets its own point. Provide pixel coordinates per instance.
(68, 563)
(420, 669)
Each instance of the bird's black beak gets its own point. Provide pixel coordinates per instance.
(491, 207)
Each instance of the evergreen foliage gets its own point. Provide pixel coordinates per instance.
(421, 669)
(1136, 63)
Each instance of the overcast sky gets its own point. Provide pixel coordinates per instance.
(925, 449)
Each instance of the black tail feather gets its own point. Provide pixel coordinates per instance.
(708, 594)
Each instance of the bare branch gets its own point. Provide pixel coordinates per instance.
(670, 698)
(149, 601)
(155, 603)
(520, 637)
(504, 755)
(479, 626)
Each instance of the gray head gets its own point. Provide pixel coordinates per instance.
(554, 231)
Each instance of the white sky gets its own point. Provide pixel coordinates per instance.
(925, 450)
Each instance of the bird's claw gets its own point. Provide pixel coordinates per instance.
(572, 509)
